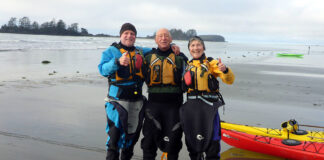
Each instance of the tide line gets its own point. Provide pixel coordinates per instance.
(293, 74)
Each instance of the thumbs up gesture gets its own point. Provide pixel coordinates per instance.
(124, 59)
(220, 65)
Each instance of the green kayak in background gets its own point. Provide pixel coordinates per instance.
(290, 55)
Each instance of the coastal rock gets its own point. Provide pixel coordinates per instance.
(46, 61)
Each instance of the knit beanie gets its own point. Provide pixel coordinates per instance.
(127, 26)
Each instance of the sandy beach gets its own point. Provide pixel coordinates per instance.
(62, 118)
(56, 111)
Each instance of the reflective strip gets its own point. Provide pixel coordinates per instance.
(204, 66)
(203, 96)
(156, 122)
(155, 61)
(168, 58)
(189, 68)
(210, 96)
(199, 97)
(176, 126)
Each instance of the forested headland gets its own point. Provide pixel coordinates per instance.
(178, 34)
(25, 26)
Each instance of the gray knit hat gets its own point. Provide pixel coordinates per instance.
(196, 38)
(127, 26)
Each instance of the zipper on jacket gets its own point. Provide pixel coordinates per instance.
(196, 80)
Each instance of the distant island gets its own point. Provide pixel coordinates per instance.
(215, 38)
(26, 26)
(178, 34)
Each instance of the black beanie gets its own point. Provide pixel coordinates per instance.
(127, 26)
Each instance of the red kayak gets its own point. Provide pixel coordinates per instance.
(273, 146)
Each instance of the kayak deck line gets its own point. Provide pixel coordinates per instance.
(315, 137)
(306, 125)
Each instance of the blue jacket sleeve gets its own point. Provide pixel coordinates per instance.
(108, 64)
(144, 49)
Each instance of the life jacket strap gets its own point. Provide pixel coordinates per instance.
(207, 97)
(127, 92)
(201, 98)
(164, 156)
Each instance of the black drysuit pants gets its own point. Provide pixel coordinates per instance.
(161, 130)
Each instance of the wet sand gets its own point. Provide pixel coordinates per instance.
(60, 118)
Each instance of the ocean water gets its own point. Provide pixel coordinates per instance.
(21, 55)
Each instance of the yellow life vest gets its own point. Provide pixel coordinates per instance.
(133, 72)
(162, 71)
(202, 78)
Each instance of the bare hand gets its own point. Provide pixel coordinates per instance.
(175, 49)
(221, 66)
(124, 59)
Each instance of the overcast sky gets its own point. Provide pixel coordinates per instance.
(290, 21)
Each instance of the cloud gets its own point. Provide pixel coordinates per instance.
(261, 19)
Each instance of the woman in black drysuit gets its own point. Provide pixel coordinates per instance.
(199, 115)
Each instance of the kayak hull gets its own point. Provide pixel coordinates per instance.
(313, 136)
(274, 146)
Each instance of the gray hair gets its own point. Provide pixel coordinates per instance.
(196, 38)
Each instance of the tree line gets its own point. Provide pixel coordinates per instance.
(178, 34)
(26, 26)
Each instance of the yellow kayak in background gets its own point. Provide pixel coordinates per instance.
(313, 136)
